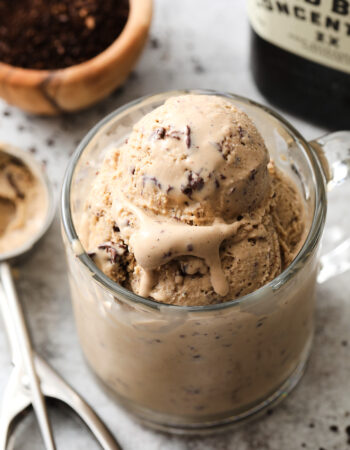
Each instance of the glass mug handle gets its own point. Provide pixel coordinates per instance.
(333, 151)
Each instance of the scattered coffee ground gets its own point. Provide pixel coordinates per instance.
(53, 34)
(50, 142)
(347, 431)
(154, 43)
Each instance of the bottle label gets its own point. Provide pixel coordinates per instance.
(318, 30)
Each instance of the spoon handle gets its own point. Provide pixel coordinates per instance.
(24, 345)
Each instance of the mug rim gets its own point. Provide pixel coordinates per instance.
(297, 264)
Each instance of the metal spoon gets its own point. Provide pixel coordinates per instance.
(25, 387)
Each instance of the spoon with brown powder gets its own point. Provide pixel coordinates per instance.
(26, 212)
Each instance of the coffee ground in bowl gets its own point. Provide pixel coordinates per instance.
(53, 34)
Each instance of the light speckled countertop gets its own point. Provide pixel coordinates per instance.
(198, 44)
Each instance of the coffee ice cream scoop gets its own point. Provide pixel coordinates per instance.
(186, 210)
(196, 158)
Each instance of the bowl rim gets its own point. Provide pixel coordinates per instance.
(140, 15)
(306, 251)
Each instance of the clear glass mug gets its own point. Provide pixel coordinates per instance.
(198, 369)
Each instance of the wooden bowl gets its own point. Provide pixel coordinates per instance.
(51, 92)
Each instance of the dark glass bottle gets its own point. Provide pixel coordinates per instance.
(315, 91)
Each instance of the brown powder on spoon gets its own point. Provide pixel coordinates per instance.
(52, 34)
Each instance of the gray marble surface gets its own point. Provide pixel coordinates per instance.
(198, 44)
